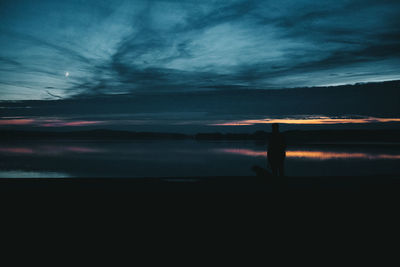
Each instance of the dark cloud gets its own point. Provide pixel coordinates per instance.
(163, 46)
(131, 57)
(372, 99)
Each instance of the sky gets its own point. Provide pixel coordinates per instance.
(189, 61)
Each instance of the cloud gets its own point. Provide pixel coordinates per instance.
(307, 120)
(131, 47)
(48, 122)
(369, 103)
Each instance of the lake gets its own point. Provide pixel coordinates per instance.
(186, 158)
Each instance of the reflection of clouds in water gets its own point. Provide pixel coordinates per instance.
(84, 158)
(16, 150)
(299, 154)
(31, 174)
(49, 150)
(315, 155)
(324, 155)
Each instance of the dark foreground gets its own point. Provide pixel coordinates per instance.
(206, 184)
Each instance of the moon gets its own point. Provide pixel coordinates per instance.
(66, 74)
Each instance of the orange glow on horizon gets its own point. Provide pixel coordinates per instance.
(319, 120)
(311, 120)
(48, 122)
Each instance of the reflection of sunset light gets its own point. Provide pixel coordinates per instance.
(245, 152)
(82, 149)
(16, 122)
(323, 155)
(310, 120)
(17, 150)
(49, 150)
(71, 123)
(318, 155)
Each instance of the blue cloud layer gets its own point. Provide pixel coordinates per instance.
(119, 47)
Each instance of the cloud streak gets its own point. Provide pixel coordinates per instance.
(362, 104)
(48, 122)
(128, 47)
(298, 120)
(309, 121)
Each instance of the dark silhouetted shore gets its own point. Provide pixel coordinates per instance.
(206, 184)
(292, 137)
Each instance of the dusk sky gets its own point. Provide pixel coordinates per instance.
(149, 64)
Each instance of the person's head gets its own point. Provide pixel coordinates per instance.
(275, 128)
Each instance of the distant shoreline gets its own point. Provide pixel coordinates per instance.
(312, 137)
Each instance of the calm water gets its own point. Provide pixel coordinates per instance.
(187, 158)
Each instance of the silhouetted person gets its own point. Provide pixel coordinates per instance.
(276, 151)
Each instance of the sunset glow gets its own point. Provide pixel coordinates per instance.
(48, 122)
(311, 120)
(307, 120)
(17, 122)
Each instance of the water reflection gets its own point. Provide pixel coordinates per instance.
(311, 154)
(49, 150)
(186, 158)
(32, 174)
(325, 155)
(301, 154)
(16, 150)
